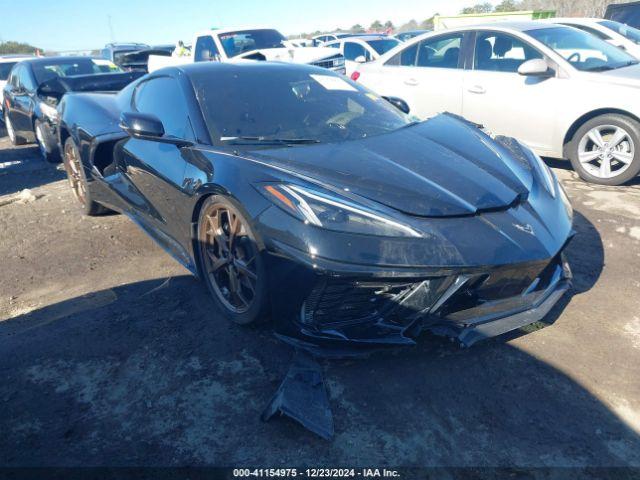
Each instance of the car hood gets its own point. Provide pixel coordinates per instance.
(441, 167)
(293, 55)
(626, 76)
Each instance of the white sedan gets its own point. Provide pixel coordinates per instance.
(565, 93)
(363, 49)
(616, 33)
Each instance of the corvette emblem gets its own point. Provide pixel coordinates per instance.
(525, 228)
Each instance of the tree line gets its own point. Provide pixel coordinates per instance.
(7, 48)
(563, 8)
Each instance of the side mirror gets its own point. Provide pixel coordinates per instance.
(399, 104)
(536, 67)
(360, 59)
(145, 126)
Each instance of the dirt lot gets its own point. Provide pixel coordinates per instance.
(111, 354)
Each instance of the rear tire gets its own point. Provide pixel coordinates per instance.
(606, 150)
(78, 180)
(231, 262)
(15, 139)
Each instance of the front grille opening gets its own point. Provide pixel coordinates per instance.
(500, 290)
(340, 302)
(331, 62)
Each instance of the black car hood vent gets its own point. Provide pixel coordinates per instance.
(441, 167)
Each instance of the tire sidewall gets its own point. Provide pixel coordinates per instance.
(258, 311)
(46, 153)
(86, 208)
(9, 127)
(630, 125)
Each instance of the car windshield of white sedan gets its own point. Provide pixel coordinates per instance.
(289, 106)
(583, 50)
(235, 43)
(630, 33)
(382, 46)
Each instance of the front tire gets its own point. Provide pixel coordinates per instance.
(78, 180)
(13, 136)
(50, 155)
(230, 261)
(606, 150)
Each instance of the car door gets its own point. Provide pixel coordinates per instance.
(427, 74)
(20, 100)
(353, 51)
(505, 102)
(206, 50)
(155, 170)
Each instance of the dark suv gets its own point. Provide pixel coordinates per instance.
(116, 52)
(627, 13)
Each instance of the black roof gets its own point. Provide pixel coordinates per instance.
(54, 60)
(207, 68)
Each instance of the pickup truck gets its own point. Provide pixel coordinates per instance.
(250, 44)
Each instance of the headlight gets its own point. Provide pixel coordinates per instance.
(333, 212)
(48, 111)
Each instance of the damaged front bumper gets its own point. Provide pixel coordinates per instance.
(343, 311)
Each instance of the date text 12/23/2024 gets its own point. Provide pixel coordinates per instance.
(316, 473)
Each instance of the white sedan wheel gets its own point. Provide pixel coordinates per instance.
(606, 151)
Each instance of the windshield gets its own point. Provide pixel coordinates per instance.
(582, 50)
(47, 71)
(384, 45)
(235, 43)
(291, 105)
(5, 68)
(631, 33)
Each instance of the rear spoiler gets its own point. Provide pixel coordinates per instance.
(141, 57)
(103, 82)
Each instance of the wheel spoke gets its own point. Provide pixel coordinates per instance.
(240, 296)
(248, 284)
(244, 270)
(216, 262)
(596, 138)
(234, 283)
(586, 157)
(235, 227)
(214, 223)
(605, 167)
(624, 157)
(618, 136)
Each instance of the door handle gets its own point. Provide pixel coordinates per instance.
(477, 89)
(411, 81)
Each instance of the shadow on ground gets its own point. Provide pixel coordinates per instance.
(149, 374)
(18, 167)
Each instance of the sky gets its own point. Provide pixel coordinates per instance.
(78, 25)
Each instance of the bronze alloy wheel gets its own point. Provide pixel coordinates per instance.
(230, 257)
(72, 166)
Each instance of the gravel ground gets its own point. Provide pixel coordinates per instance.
(111, 354)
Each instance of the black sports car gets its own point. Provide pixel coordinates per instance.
(292, 190)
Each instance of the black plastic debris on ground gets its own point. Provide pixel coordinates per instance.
(302, 396)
